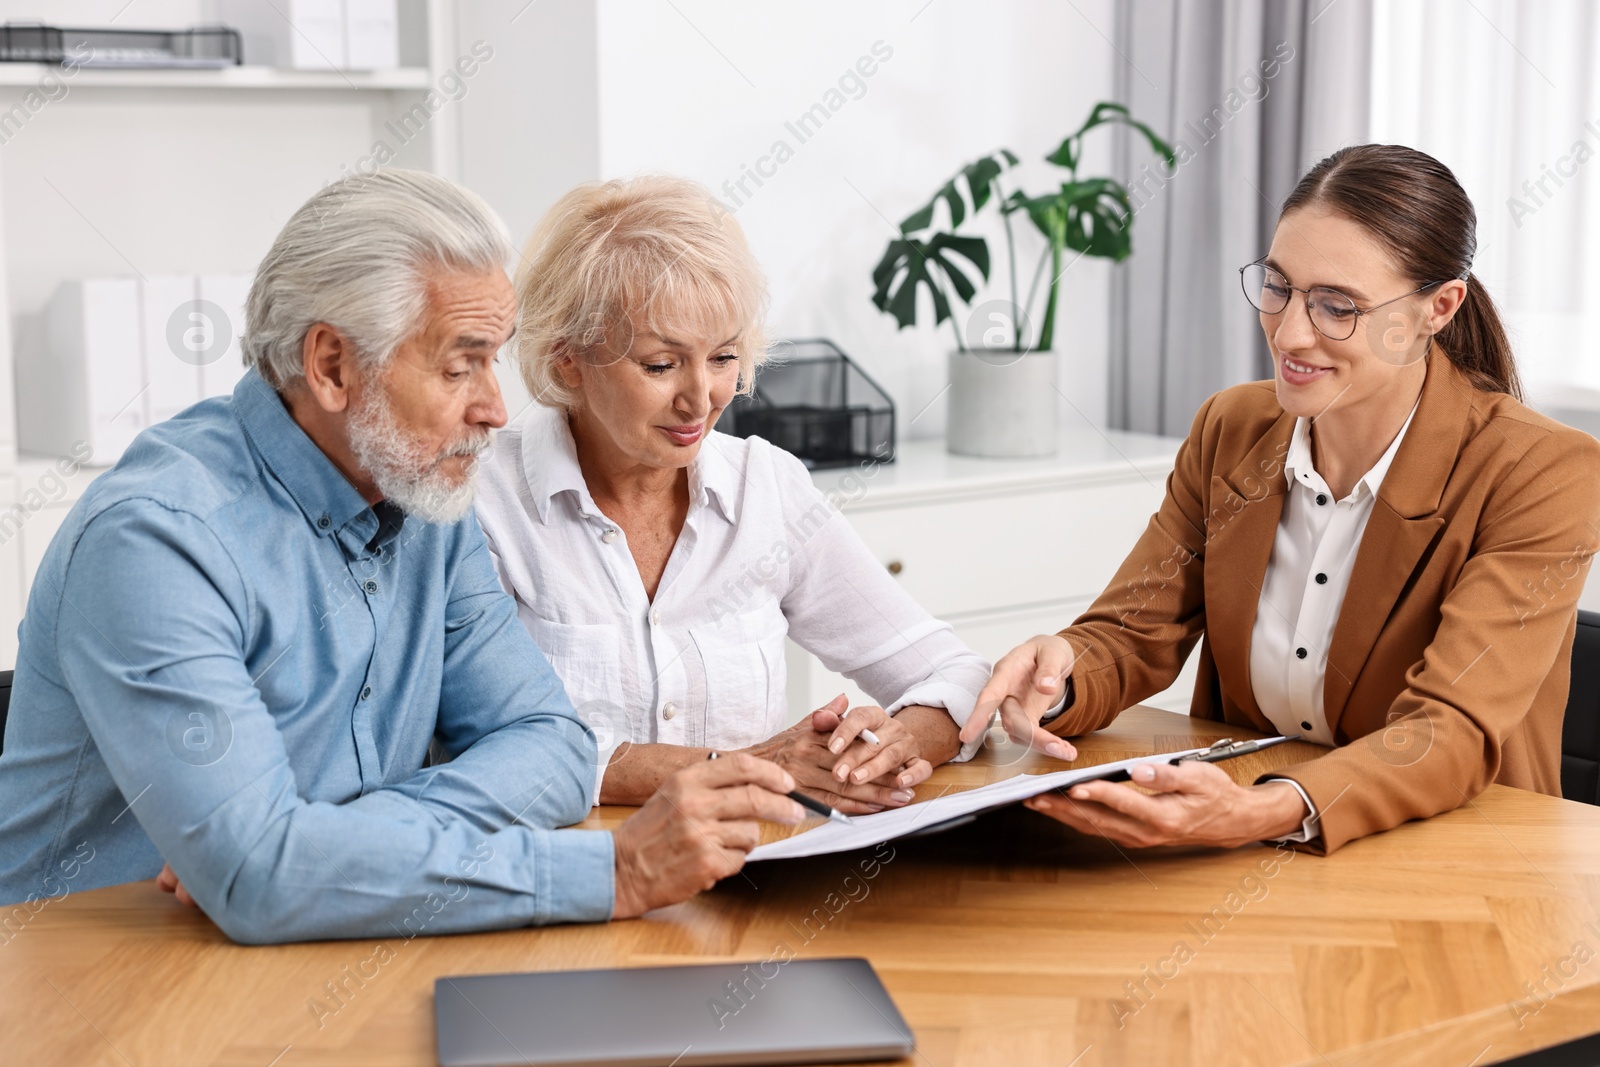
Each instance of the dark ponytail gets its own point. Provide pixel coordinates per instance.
(1415, 207)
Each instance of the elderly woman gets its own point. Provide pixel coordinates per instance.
(660, 564)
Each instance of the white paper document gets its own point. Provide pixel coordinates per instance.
(864, 831)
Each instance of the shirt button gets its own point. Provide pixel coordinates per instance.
(371, 586)
(655, 617)
(1322, 579)
(366, 691)
(1322, 498)
(668, 710)
(1300, 653)
(323, 521)
(1306, 727)
(609, 536)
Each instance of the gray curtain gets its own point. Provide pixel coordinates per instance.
(1250, 93)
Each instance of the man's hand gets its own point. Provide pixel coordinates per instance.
(696, 830)
(1194, 804)
(167, 882)
(1025, 684)
(833, 763)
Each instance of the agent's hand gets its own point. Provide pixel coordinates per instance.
(1194, 804)
(1025, 684)
(696, 830)
(167, 882)
(805, 751)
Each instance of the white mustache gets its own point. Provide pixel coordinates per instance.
(474, 447)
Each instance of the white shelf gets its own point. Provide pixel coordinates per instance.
(30, 74)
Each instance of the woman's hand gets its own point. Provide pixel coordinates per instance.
(1025, 684)
(893, 759)
(803, 750)
(167, 882)
(1194, 804)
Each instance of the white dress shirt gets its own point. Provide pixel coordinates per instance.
(1313, 553)
(763, 555)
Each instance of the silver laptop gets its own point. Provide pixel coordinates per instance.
(800, 1011)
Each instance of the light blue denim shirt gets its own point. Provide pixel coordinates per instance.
(229, 660)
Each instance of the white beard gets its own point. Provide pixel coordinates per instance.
(407, 477)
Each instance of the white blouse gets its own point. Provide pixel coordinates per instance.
(1313, 553)
(763, 555)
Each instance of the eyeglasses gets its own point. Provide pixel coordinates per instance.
(1332, 313)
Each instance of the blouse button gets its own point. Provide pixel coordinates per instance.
(1300, 653)
(1306, 727)
(1322, 498)
(370, 586)
(609, 536)
(1322, 579)
(668, 710)
(655, 617)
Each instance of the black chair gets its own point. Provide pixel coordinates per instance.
(1580, 732)
(5, 703)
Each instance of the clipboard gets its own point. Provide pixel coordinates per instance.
(957, 809)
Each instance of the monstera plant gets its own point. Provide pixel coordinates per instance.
(1090, 216)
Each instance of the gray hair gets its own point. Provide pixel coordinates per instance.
(357, 256)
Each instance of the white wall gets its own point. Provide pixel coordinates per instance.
(530, 128)
(162, 181)
(704, 88)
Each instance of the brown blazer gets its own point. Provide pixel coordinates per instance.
(1450, 660)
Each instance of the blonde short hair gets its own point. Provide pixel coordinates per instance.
(657, 246)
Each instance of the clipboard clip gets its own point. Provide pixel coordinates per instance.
(1227, 748)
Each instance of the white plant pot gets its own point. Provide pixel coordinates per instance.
(1003, 404)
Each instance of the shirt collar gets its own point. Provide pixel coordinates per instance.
(1298, 467)
(713, 478)
(550, 465)
(325, 496)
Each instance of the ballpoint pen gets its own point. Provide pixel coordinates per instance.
(866, 735)
(806, 802)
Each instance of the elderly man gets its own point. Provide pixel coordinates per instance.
(243, 640)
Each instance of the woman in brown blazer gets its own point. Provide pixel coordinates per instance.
(1382, 546)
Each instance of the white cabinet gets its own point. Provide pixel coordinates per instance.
(1000, 549)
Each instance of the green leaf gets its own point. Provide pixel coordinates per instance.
(1047, 213)
(909, 264)
(885, 271)
(1157, 145)
(980, 177)
(973, 249)
(955, 277)
(1067, 154)
(919, 219)
(952, 198)
(903, 305)
(1099, 217)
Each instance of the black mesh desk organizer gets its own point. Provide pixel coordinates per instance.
(812, 400)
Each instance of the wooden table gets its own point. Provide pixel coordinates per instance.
(1462, 940)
